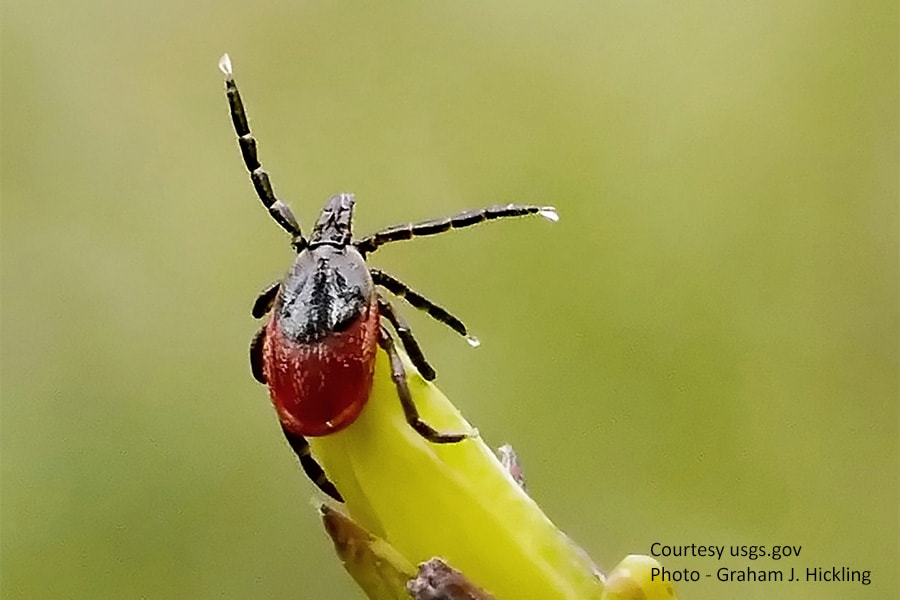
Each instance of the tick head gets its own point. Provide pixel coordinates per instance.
(335, 223)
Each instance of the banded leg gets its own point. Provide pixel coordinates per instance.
(467, 218)
(312, 468)
(401, 290)
(398, 374)
(407, 339)
(265, 300)
(256, 355)
(278, 209)
(298, 443)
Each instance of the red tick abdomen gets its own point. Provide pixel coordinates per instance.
(321, 387)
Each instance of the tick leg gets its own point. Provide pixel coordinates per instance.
(265, 300)
(280, 211)
(312, 469)
(398, 374)
(467, 218)
(400, 289)
(256, 355)
(406, 338)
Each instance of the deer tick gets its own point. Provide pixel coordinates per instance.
(328, 316)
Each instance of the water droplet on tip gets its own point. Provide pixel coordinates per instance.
(473, 341)
(549, 213)
(225, 65)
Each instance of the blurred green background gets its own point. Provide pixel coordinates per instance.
(704, 350)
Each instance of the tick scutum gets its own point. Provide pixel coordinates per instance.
(326, 290)
(316, 353)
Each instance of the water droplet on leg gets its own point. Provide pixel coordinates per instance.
(225, 65)
(549, 213)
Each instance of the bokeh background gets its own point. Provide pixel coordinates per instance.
(704, 350)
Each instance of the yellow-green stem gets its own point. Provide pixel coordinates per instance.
(454, 501)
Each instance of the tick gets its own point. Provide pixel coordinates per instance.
(328, 316)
